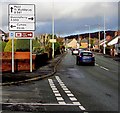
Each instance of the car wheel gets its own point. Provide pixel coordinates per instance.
(93, 64)
(77, 62)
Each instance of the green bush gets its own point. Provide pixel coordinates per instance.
(38, 50)
(57, 46)
(35, 43)
(36, 47)
(8, 47)
(23, 45)
(2, 46)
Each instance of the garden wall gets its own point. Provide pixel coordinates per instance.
(22, 61)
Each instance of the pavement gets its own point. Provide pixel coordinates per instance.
(45, 71)
(116, 58)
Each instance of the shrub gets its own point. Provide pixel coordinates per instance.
(8, 47)
(2, 46)
(57, 48)
(23, 45)
(38, 50)
(35, 43)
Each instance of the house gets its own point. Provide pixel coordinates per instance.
(84, 43)
(72, 44)
(115, 46)
(3, 35)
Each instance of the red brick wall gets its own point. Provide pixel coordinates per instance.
(22, 61)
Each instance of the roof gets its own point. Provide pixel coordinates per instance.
(114, 41)
(84, 41)
(103, 42)
(73, 43)
(2, 32)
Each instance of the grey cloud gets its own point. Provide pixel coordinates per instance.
(69, 16)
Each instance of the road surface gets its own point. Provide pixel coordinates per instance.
(72, 89)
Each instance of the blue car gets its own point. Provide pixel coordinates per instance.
(85, 57)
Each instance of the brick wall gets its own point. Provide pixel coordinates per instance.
(22, 61)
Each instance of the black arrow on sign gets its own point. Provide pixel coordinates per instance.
(31, 18)
(12, 26)
(11, 9)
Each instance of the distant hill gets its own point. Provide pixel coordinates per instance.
(92, 35)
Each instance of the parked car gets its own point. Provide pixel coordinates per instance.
(75, 51)
(85, 57)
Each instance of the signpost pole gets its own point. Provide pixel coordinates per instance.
(12, 55)
(27, 23)
(53, 32)
(30, 55)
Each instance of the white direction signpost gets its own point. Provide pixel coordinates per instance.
(21, 17)
(22, 20)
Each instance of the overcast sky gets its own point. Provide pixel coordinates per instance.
(70, 16)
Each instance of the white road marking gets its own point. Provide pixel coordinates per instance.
(70, 95)
(56, 91)
(62, 84)
(50, 80)
(104, 68)
(96, 64)
(81, 107)
(73, 99)
(63, 103)
(57, 94)
(76, 103)
(53, 86)
(67, 92)
(59, 98)
(38, 104)
(65, 89)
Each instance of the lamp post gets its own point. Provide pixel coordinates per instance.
(53, 29)
(99, 36)
(89, 36)
(104, 52)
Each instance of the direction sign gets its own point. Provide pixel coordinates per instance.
(24, 35)
(21, 26)
(21, 9)
(21, 17)
(53, 40)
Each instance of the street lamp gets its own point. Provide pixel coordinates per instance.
(99, 35)
(89, 36)
(104, 37)
(53, 29)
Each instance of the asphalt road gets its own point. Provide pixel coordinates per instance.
(72, 89)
